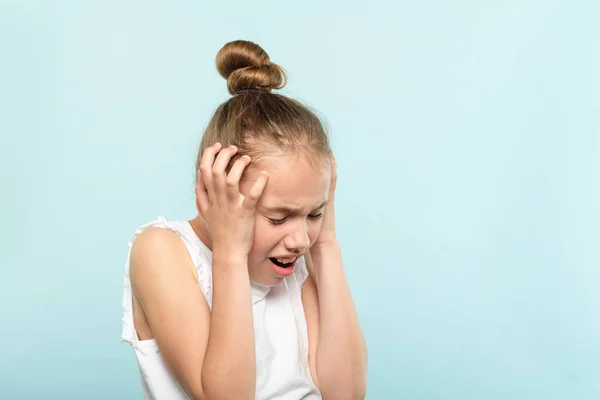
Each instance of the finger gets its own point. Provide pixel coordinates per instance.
(333, 166)
(333, 172)
(206, 163)
(201, 194)
(218, 168)
(234, 176)
(256, 191)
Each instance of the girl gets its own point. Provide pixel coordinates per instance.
(248, 300)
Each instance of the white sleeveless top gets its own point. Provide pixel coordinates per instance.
(280, 331)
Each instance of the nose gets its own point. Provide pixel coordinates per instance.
(297, 240)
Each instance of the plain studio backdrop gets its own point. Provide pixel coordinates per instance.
(468, 140)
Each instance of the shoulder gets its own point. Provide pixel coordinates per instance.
(156, 241)
(156, 249)
(152, 237)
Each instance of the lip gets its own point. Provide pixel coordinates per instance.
(288, 256)
(283, 272)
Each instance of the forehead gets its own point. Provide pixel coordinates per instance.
(294, 181)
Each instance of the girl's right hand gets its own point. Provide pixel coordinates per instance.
(229, 214)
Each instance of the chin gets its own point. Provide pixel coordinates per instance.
(265, 274)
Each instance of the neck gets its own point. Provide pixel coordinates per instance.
(199, 226)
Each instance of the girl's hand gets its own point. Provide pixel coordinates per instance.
(327, 236)
(228, 213)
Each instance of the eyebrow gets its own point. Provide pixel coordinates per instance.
(291, 209)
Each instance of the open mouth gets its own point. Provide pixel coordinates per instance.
(283, 262)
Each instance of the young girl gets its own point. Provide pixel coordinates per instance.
(248, 300)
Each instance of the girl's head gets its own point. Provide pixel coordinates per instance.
(283, 137)
(255, 120)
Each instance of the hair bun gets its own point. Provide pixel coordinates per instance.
(246, 65)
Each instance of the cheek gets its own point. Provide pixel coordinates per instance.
(265, 237)
(314, 229)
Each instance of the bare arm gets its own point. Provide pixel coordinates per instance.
(199, 348)
(230, 366)
(337, 349)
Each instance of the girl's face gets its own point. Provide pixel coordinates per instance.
(288, 214)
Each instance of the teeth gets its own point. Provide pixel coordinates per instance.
(286, 260)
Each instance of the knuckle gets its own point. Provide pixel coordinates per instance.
(218, 172)
(205, 170)
(252, 196)
(230, 182)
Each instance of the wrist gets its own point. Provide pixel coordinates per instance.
(325, 253)
(326, 263)
(324, 247)
(229, 256)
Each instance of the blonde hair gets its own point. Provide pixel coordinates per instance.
(254, 119)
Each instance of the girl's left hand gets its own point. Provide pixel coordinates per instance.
(327, 236)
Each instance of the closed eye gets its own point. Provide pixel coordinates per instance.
(282, 220)
(277, 221)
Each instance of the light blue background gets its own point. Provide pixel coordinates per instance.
(468, 140)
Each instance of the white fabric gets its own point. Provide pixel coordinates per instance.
(281, 336)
